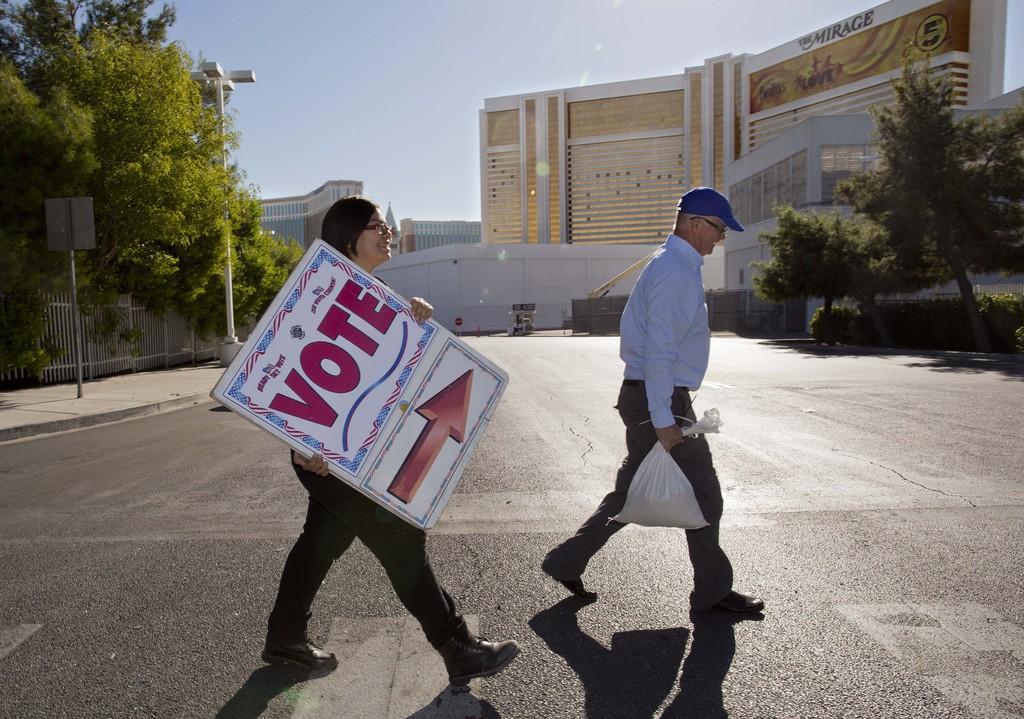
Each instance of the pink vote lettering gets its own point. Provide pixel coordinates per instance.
(312, 359)
(377, 314)
(310, 406)
(342, 375)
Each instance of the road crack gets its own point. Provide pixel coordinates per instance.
(590, 445)
(911, 481)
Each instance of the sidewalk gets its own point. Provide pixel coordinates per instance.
(56, 408)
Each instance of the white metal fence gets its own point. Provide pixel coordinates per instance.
(141, 340)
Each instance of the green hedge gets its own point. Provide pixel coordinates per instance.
(936, 324)
(842, 320)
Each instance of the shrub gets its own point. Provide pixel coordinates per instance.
(929, 324)
(842, 318)
(941, 324)
(1002, 315)
(1019, 336)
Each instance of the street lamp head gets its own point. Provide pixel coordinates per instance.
(212, 70)
(242, 76)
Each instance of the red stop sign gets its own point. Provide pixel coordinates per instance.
(458, 322)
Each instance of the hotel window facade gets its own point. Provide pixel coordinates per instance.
(841, 162)
(595, 170)
(754, 198)
(426, 234)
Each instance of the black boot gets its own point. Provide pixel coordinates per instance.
(467, 656)
(287, 642)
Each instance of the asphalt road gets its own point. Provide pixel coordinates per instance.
(875, 502)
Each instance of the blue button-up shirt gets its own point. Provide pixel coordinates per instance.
(664, 334)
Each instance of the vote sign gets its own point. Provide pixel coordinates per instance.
(338, 366)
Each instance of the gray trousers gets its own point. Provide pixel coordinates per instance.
(712, 572)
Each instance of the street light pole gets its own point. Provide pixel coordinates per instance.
(213, 73)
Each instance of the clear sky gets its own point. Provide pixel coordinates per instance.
(389, 91)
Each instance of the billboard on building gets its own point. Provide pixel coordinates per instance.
(865, 50)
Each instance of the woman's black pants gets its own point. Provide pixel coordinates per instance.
(338, 514)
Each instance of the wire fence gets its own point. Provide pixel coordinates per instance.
(739, 311)
(122, 337)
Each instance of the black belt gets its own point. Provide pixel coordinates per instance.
(640, 383)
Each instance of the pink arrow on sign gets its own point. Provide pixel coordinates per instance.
(446, 414)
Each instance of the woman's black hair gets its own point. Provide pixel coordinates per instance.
(345, 221)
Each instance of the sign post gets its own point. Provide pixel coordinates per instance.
(70, 227)
(338, 366)
(458, 325)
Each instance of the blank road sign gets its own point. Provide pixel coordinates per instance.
(69, 224)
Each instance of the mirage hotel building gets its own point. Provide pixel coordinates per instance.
(603, 164)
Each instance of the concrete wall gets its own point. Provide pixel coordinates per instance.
(480, 283)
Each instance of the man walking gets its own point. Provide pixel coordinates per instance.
(665, 340)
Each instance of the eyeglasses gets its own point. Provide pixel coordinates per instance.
(383, 228)
(722, 229)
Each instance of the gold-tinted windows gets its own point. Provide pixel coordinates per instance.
(503, 128)
(617, 115)
(504, 218)
(737, 110)
(553, 166)
(696, 151)
(531, 170)
(718, 122)
(625, 191)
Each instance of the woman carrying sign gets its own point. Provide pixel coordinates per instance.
(337, 514)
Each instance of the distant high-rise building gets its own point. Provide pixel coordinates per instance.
(299, 218)
(389, 217)
(605, 163)
(425, 234)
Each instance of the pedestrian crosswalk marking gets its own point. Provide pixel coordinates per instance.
(11, 637)
(969, 652)
(386, 670)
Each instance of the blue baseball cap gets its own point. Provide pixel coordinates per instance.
(710, 203)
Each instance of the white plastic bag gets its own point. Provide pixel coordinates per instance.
(660, 495)
(710, 422)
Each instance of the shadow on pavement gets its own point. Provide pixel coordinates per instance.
(629, 681)
(1012, 366)
(456, 703)
(711, 653)
(265, 683)
(219, 408)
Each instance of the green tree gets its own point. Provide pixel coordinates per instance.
(811, 257)
(260, 266)
(115, 116)
(46, 152)
(35, 31)
(950, 193)
(159, 186)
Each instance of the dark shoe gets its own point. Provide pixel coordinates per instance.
(467, 656)
(740, 604)
(304, 654)
(576, 587)
(288, 643)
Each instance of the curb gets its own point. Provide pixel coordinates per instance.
(91, 420)
(962, 355)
